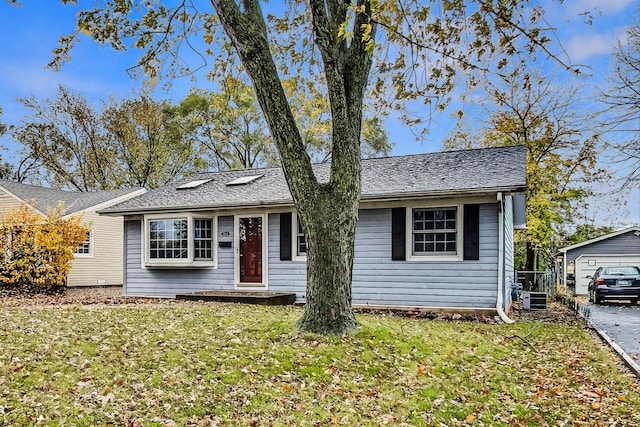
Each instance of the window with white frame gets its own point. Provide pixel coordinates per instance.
(301, 239)
(203, 239)
(187, 240)
(298, 238)
(84, 248)
(434, 231)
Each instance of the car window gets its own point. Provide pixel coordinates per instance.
(621, 271)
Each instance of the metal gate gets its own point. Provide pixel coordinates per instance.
(537, 281)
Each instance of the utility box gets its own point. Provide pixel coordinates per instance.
(534, 301)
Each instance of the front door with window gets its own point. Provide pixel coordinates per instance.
(250, 250)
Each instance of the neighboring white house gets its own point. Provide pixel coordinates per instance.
(621, 247)
(434, 231)
(99, 260)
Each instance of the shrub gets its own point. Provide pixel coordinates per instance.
(36, 253)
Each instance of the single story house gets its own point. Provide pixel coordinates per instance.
(435, 231)
(99, 260)
(576, 262)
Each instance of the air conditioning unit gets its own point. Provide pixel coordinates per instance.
(534, 300)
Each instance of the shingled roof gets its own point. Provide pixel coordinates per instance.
(42, 198)
(452, 172)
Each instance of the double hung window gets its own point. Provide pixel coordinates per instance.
(299, 239)
(434, 232)
(84, 249)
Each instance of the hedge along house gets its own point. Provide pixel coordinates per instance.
(99, 260)
(434, 231)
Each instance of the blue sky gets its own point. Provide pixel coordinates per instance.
(29, 33)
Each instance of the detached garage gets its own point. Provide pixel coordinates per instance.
(618, 248)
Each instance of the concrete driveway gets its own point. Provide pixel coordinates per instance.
(620, 321)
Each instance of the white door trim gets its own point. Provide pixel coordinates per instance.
(236, 256)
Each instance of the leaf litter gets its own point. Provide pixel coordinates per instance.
(116, 361)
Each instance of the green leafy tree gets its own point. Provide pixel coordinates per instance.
(311, 110)
(584, 232)
(562, 152)
(228, 126)
(147, 141)
(135, 142)
(332, 43)
(67, 136)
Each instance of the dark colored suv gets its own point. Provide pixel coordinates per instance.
(615, 282)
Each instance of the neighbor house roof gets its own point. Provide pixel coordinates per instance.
(452, 172)
(42, 199)
(598, 239)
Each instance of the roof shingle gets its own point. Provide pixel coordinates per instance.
(451, 172)
(42, 198)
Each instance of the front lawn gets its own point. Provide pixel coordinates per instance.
(217, 364)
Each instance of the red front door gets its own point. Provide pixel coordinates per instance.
(250, 237)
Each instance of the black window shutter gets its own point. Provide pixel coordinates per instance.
(398, 231)
(471, 240)
(285, 236)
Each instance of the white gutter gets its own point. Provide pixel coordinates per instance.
(500, 299)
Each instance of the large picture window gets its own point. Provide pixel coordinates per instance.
(183, 241)
(434, 231)
(168, 239)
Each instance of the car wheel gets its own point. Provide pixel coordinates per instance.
(634, 301)
(598, 298)
(591, 299)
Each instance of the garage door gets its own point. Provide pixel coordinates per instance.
(586, 265)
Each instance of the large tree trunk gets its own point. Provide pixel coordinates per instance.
(328, 211)
(531, 257)
(331, 238)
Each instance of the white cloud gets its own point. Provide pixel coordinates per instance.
(597, 6)
(584, 47)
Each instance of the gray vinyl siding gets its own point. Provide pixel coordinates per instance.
(167, 282)
(284, 276)
(623, 244)
(377, 280)
(509, 272)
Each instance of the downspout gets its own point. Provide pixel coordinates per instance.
(564, 270)
(500, 299)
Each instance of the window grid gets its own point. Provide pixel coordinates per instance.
(301, 240)
(84, 248)
(434, 231)
(168, 239)
(203, 239)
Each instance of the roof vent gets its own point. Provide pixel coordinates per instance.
(243, 180)
(193, 184)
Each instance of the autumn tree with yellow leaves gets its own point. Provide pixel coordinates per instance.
(562, 153)
(36, 253)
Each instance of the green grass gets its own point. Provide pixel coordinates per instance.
(247, 365)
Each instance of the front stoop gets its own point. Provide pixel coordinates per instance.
(244, 297)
